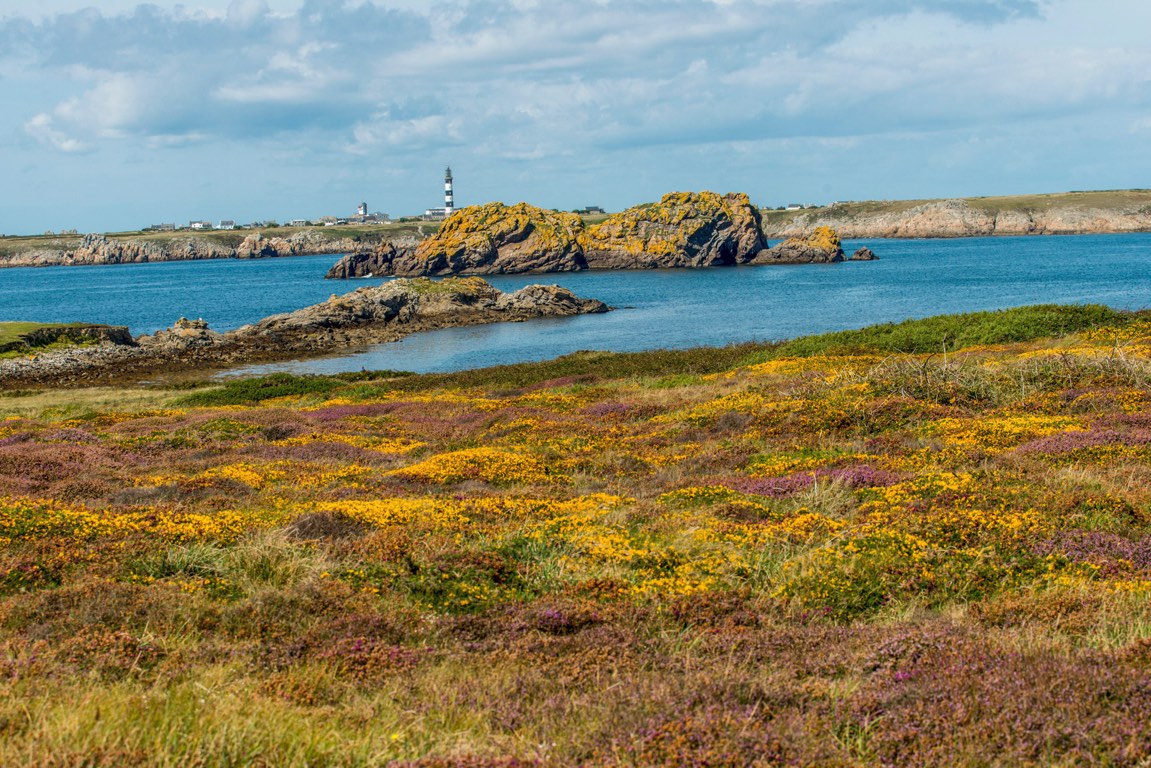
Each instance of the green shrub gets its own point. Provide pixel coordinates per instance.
(256, 390)
(951, 332)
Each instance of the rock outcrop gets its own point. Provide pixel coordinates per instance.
(184, 334)
(380, 261)
(257, 246)
(822, 246)
(684, 229)
(863, 254)
(366, 316)
(496, 239)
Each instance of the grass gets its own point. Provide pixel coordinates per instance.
(11, 332)
(950, 332)
(848, 549)
(249, 391)
(14, 341)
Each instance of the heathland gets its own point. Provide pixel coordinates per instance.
(918, 544)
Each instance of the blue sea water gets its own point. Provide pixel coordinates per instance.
(656, 308)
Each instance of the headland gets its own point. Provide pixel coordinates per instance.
(1067, 213)
(365, 316)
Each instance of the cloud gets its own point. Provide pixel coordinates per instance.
(41, 128)
(536, 79)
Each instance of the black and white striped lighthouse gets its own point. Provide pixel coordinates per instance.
(449, 205)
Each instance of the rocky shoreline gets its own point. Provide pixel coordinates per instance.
(615, 246)
(366, 316)
(97, 249)
(1048, 215)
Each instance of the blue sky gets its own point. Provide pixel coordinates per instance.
(118, 115)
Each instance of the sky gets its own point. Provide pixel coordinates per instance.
(117, 115)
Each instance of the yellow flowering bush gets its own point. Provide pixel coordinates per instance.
(998, 433)
(489, 465)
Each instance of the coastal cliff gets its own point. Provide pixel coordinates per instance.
(365, 316)
(1073, 213)
(95, 249)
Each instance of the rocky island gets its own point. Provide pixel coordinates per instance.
(365, 316)
(684, 229)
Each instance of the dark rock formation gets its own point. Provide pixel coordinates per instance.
(381, 261)
(820, 247)
(366, 316)
(684, 229)
(864, 254)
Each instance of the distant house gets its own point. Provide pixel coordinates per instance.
(329, 221)
(226, 224)
(162, 228)
(199, 225)
(591, 210)
(794, 207)
(435, 214)
(301, 223)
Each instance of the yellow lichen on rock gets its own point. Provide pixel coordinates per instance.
(821, 245)
(496, 238)
(822, 238)
(684, 229)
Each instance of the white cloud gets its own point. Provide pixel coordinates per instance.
(382, 131)
(41, 127)
(348, 83)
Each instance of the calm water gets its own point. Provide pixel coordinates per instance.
(672, 308)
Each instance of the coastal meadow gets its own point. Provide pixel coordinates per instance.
(919, 544)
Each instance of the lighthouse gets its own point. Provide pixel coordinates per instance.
(449, 206)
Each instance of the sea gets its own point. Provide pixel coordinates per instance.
(653, 308)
